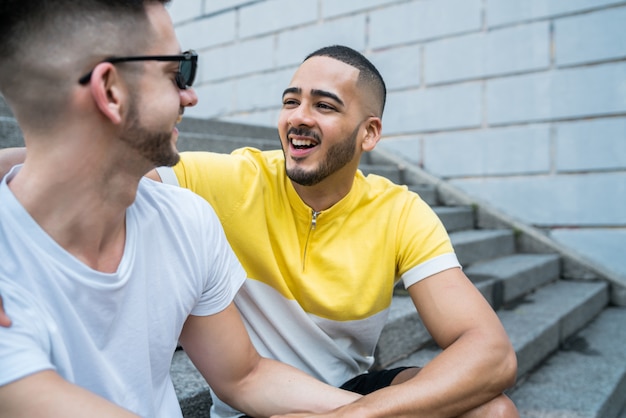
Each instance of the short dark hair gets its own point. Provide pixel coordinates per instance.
(46, 44)
(368, 74)
(20, 18)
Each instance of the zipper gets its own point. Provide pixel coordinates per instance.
(314, 216)
(314, 219)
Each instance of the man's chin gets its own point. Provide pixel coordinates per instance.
(302, 177)
(174, 160)
(167, 160)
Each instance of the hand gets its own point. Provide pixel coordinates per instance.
(5, 321)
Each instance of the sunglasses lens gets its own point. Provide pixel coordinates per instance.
(186, 74)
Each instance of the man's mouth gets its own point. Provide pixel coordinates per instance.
(302, 143)
(301, 139)
(181, 111)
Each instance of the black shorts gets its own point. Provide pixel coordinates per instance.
(372, 381)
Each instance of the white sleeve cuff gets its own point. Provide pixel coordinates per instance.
(430, 267)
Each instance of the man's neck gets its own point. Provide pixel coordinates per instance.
(323, 195)
(81, 208)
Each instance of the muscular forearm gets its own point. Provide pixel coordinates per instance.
(220, 348)
(470, 372)
(46, 394)
(277, 388)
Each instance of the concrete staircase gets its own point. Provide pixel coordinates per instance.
(566, 319)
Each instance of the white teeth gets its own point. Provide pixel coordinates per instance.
(302, 142)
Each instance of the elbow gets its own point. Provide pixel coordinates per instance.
(511, 369)
(507, 375)
(501, 363)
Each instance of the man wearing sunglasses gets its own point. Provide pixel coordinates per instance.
(103, 271)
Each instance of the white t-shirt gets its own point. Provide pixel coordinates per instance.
(113, 334)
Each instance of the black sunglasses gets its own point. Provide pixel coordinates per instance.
(188, 64)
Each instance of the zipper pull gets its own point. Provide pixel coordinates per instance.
(314, 219)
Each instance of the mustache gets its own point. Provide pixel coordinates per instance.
(303, 132)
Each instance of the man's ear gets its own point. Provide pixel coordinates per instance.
(108, 91)
(373, 128)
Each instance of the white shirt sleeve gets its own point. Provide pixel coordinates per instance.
(168, 176)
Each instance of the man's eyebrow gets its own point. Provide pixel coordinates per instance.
(324, 93)
(314, 92)
(292, 90)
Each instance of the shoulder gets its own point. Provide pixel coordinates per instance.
(172, 202)
(150, 191)
(404, 207)
(385, 192)
(25, 345)
(258, 158)
(196, 169)
(205, 159)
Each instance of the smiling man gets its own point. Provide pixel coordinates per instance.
(324, 246)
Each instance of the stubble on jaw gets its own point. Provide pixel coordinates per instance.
(336, 158)
(154, 145)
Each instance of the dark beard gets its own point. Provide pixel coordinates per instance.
(337, 157)
(154, 146)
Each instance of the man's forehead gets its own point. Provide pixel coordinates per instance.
(161, 22)
(327, 66)
(324, 74)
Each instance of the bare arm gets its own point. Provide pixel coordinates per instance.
(476, 365)
(154, 175)
(4, 319)
(10, 157)
(47, 395)
(220, 348)
(478, 361)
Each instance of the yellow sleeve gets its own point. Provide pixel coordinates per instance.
(221, 179)
(423, 236)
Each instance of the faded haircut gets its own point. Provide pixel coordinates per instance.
(368, 74)
(45, 45)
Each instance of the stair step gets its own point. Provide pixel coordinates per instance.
(525, 271)
(535, 326)
(504, 279)
(427, 192)
(543, 320)
(231, 129)
(455, 218)
(403, 333)
(561, 386)
(189, 141)
(4, 108)
(386, 170)
(10, 132)
(477, 245)
(191, 388)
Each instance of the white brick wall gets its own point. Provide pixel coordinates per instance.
(522, 103)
